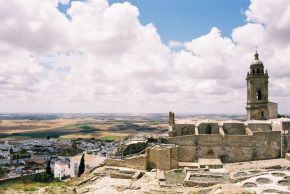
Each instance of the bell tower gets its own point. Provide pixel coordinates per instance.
(257, 91)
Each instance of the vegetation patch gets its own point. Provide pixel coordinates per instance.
(29, 186)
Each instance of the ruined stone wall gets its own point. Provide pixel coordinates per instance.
(260, 126)
(183, 129)
(234, 128)
(286, 139)
(203, 126)
(171, 120)
(231, 148)
(163, 158)
(136, 162)
(174, 157)
(286, 125)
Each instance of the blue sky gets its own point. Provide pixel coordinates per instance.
(184, 20)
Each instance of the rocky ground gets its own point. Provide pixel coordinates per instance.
(270, 176)
(267, 176)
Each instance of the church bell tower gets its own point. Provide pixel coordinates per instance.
(257, 91)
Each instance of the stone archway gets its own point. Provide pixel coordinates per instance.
(208, 129)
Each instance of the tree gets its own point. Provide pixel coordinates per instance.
(48, 168)
(2, 171)
(82, 166)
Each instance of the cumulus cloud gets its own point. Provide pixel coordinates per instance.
(99, 58)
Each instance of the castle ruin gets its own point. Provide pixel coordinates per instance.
(262, 136)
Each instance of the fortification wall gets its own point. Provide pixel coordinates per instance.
(234, 128)
(137, 162)
(260, 126)
(163, 158)
(286, 125)
(214, 128)
(231, 148)
(183, 129)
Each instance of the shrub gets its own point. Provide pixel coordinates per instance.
(43, 177)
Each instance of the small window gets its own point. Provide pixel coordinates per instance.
(262, 114)
(259, 95)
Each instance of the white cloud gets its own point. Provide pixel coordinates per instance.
(100, 58)
(175, 44)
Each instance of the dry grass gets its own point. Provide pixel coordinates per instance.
(21, 126)
(31, 187)
(69, 128)
(100, 135)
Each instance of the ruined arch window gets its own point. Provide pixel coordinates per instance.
(208, 129)
(258, 70)
(262, 114)
(253, 70)
(259, 95)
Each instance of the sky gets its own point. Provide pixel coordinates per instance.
(178, 19)
(136, 56)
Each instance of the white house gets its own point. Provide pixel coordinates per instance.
(91, 161)
(61, 169)
(44, 157)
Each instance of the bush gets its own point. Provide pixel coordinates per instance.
(152, 140)
(3, 171)
(43, 177)
(134, 148)
(162, 140)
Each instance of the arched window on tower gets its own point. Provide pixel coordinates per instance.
(208, 129)
(259, 95)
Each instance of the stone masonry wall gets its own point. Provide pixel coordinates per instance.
(234, 128)
(273, 110)
(137, 162)
(214, 128)
(163, 158)
(183, 129)
(260, 126)
(231, 148)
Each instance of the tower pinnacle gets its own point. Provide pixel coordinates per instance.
(256, 54)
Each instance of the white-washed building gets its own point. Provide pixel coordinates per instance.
(91, 161)
(61, 169)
